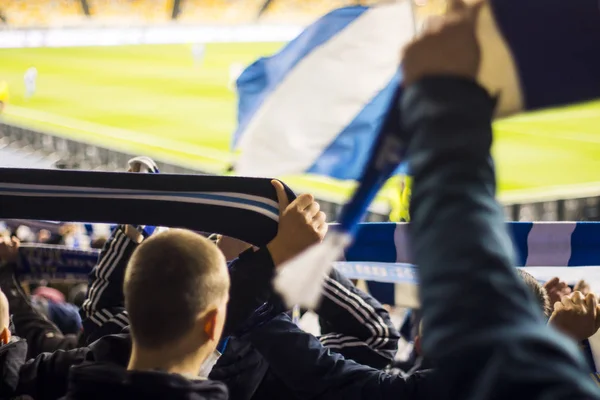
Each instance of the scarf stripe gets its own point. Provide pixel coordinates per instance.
(244, 208)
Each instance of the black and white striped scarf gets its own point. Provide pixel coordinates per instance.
(244, 208)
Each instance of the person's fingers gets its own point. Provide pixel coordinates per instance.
(577, 298)
(566, 301)
(303, 201)
(312, 210)
(319, 218)
(322, 229)
(591, 302)
(16, 242)
(558, 306)
(282, 197)
(551, 283)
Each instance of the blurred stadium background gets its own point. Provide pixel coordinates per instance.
(138, 86)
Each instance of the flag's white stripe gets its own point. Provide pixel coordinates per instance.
(497, 71)
(178, 194)
(325, 91)
(549, 244)
(222, 203)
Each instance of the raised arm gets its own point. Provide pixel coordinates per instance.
(103, 311)
(482, 327)
(355, 324)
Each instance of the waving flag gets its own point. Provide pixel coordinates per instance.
(318, 105)
(526, 67)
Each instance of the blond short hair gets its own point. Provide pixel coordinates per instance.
(171, 278)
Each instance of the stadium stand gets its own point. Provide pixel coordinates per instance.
(52, 13)
(34, 13)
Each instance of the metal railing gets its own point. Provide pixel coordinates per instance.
(70, 154)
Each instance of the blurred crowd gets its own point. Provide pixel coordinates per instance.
(173, 314)
(42, 13)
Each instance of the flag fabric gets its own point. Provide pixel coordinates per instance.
(318, 105)
(244, 208)
(550, 244)
(380, 253)
(508, 69)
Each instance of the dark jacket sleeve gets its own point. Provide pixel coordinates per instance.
(355, 324)
(310, 370)
(45, 377)
(41, 334)
(481, 325)
(103, 311)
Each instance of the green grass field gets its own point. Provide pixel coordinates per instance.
(153, 100)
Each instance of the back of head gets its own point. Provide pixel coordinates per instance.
(173, 278)
(540, 293)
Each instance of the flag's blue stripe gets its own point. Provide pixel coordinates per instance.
(141, 195)
(585, 244)
(346, 156)
(261, 78)
(520, 232)
(374, 242)
(555, 47)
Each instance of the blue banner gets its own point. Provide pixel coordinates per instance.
(38, 262)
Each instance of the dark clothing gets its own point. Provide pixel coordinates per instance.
(45, 377)
(482, 327)
(103, 311)
(353, 324)
(107, 381)
(317, 373)
(41, 334)
(11, 359)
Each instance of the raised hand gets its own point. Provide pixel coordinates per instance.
(577, 316)
(301, 224)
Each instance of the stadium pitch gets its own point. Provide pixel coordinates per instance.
(175, 103)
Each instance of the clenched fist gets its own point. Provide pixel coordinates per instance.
(447, 47)
(577, 316)
(301, 224)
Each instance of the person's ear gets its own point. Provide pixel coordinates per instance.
(5, 336)
(210, 325)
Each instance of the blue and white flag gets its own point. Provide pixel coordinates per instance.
(318, 105)
(537, 244)
(526, 68)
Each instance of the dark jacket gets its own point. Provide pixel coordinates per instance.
(353, 324)
(11, 360)
(45, 377)
(482, 327)
(310, 371)
(91, 381)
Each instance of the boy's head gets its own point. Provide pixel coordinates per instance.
(176, 292)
